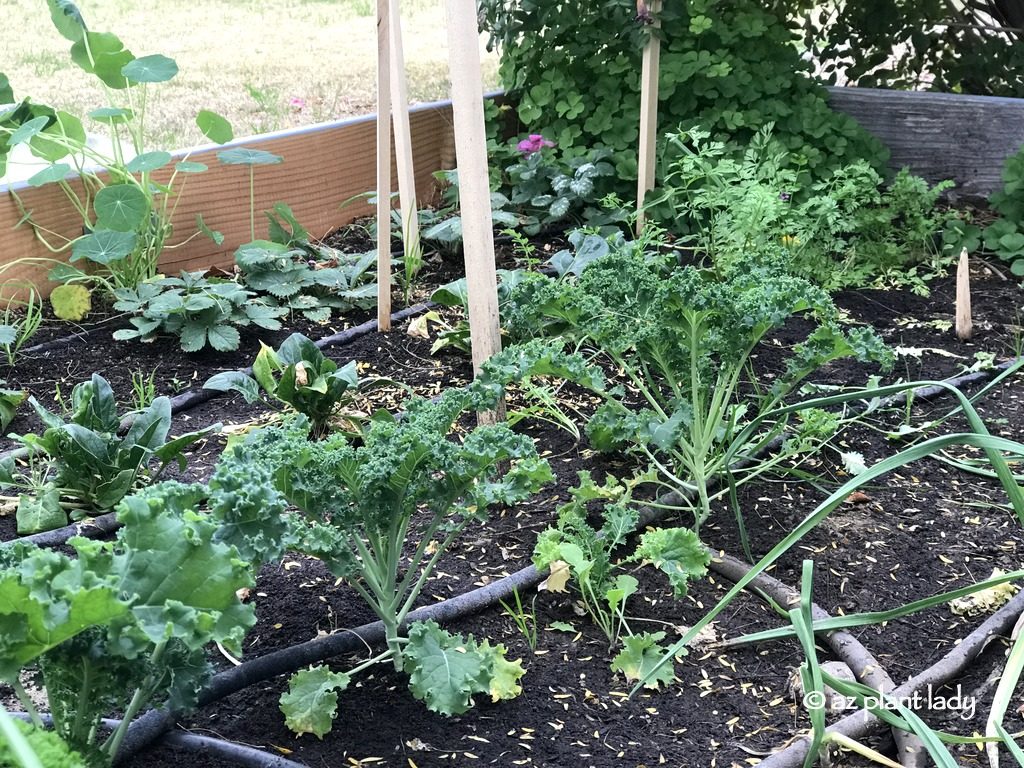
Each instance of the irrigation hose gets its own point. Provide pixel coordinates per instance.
(155, 723)
(862, 722)
(848, 648)
(233, 752)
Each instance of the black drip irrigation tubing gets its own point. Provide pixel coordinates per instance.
(63, 341)
(239, 754)
(156, 722)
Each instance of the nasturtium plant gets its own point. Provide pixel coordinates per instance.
(126, 212)
(1005, 236)
(729, 66)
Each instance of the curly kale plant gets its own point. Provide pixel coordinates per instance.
(199, 310)
(683, 340)
(81, 463)
(406, 482)
(124, 624)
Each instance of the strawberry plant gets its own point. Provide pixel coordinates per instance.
(199, 310)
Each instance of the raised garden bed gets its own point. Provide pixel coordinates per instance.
(890, 545)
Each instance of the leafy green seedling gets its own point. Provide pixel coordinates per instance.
(300, 376)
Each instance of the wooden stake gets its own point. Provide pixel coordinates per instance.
(383, 166)
(964, 325)
(648, 111)
(403, 137)
(474, 184)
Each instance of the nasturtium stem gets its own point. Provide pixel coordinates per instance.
(252, 203)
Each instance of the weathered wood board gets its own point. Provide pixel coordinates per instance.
(940, 135)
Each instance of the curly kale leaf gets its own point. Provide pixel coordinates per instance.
(249, 508)
(446, 670)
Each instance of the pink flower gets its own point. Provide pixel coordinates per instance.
(535, 143)
(297, 103)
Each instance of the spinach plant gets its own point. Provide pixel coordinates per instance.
(126, 211)
(80, 463)
(10, 399)
(124, 624)
(199, 310)
(299, 375)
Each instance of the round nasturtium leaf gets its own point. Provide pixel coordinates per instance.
(214, 127)
(67, 19)
(189, 166)
(27, 130)
(108, 57)
(6, 92)
(55, 172)
(155, 68)
(103, 246)
(148, 161)
(246, 156)
(111, 115)
(121, 207)
(59, 139)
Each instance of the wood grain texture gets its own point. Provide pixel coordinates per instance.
(940, 135)
(323, 166)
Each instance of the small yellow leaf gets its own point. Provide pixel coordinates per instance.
(556, 580)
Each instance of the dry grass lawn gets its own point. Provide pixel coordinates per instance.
(245, 59)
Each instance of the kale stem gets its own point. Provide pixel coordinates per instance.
(81, 705)
(142, 693)
(26, 702)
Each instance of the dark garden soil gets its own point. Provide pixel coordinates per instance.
(927, 529)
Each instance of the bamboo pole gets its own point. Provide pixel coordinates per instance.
(383, 166)
(964, 324)
(648, 109)
(403, 138)
(474, 184)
